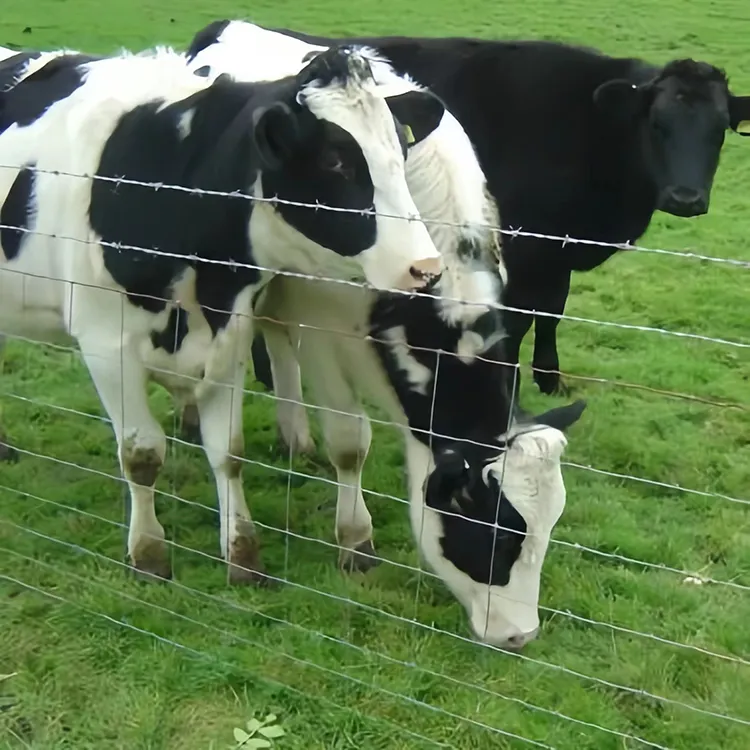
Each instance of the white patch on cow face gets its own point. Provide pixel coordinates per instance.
(418, 375)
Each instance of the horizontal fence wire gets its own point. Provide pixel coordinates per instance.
(562, 613)
(413, 623)
(212, 658)
(290, 472)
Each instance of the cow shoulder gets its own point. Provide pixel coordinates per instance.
(197, 145)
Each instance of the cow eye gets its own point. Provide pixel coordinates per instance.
(331, 161)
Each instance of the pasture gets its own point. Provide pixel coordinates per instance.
(630, 655)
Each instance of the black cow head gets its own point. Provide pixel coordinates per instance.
(683, 114)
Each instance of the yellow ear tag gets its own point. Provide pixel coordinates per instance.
(411, 139)
(744, 127)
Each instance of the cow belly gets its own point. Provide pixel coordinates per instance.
(31, 304)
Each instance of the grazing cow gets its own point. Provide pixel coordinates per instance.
(574, 143)
(181, 313)
(485, 489)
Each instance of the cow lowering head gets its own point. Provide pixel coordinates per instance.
(683, 113)
(495, 509)
(337, 142)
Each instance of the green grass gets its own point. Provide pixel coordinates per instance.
(147, 678)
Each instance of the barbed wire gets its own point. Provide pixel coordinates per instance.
(373, 493)
(234, 265)
(516, 232)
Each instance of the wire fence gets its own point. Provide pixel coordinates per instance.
(42, 527)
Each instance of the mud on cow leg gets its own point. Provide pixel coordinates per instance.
(220, 410)
(149, 554)
(348, 442)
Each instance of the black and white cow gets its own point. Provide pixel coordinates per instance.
(573, 142)
(181, 314)
(470, 516)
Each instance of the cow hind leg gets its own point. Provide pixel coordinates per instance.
(348, 439)
(220, 409)
(291, 415)
(120, 380)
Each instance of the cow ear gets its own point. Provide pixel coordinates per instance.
(276, 134)
(619, 98)
(420, 112)
(739, 114)
(450, 475)
(563, 416)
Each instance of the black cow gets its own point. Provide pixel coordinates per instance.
(574, 143)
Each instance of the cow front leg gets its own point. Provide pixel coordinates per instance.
(545, 361)
(220, 410)
(120, 380)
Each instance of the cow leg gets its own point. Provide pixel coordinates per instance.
(291, 415)
(348, 437)
(545, 336)
(517, 325)
(120, 380)
(262, 363)
(190, 424)
(220, 409)
(7, 453)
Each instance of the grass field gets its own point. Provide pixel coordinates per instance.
(102, 662)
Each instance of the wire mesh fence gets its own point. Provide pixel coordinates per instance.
(629, 618)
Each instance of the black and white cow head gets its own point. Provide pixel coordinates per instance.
(683, 112)
(494, 511)
(330, 139)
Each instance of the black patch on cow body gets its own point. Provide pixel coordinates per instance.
(148, 146)
(16, 211)
(25, 102)
(171, 337)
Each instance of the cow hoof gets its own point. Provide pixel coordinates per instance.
(360, 559)
(244, 565)
(298, 447)
(8, 454)
(550, 383)
(152, 563)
